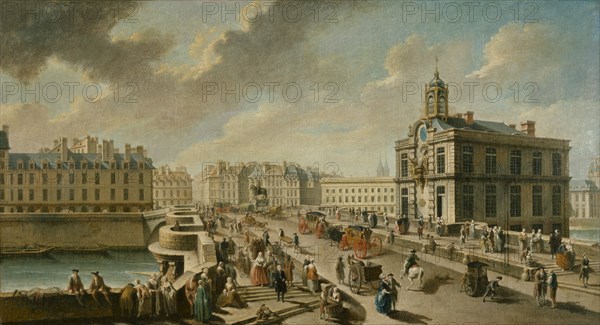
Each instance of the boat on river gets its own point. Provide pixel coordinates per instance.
(29, 250)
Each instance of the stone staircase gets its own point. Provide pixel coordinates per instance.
(255, 293)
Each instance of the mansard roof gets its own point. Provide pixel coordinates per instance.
(78, 158)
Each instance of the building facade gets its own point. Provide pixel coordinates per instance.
(585, 194)
(171, 187)
(287, 184)
(371, 193)
(460, 169)
(60, 180)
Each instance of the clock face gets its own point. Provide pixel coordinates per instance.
(423, 133)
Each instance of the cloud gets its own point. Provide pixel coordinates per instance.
(72, 34)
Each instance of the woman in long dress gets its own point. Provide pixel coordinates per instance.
(312, 277)
(202, 311)
(144, 300)
(169, 295)
(383, 299)
(258, 274)
(230, 297)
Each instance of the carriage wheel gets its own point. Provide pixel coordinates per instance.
(354, 279)
(360, 248)
(376, 246)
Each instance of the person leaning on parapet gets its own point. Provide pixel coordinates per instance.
(76, 286)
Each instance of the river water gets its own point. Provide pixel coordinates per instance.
(585, 234)
(53, 270)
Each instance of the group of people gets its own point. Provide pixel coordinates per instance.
(155, 298)
(97, 287)
(545, 283)
(492, 239)
(387, 294)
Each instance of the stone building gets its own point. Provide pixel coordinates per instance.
(171, 187)
(585, 194)
(95, 179)
(371, 193)
(287, 183)
(459, 168)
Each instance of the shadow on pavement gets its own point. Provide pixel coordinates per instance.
(574, 307)
(408, 317)
(431, 286)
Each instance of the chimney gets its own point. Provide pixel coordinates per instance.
(5, 129)
(145, 153)
(127, 152)
(105, 145)
(468, 116)
(140, 150)
(111, 150)
(63, 148)
(513, 126)
(529, 127)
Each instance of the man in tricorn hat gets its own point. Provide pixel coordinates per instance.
(410, 261)
(76, 286)
(394, 285)
(98, 285)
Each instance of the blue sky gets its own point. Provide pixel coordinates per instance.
(352, 64)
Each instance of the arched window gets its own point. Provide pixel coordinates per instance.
(442, 105)
(430, 104)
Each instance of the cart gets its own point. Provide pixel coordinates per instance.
(360, 239)
(475, 280)
(361, 274)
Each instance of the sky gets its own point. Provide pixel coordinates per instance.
(330, 85)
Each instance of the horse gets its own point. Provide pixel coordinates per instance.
(415, 271)
(334, 234)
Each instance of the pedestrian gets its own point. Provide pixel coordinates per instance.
(144, 300)
(553, 287)
(491, 288)
(472, 231)
(296, 243)
(383, 299)
(127, 301)
(76, 286)
(540, 241)
(539, 287)
(393, 285)
(202, 310)
(288, 268)
(98, 286)
(280, 236)
(340, 270)
(386, 221)
(280, 283)
(305, 264)
(532, 243)
(224, 250)
(463, 235)
(391, 237)
(430, 221)
(312, 277)
(584, 274)
(523, 239)
(258, 274)
(420, 227)
(265, 237)
(554, 242)
(431, 243)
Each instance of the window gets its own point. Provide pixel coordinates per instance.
(537, 163)
(44, 178)
(490, 201)
(71, 178)
(58, 195)
(83, 178)
(468, 201)
(1, 178)
(515, 201)
(71, 194)
(404, 206)
(556, 201)
(1, 194)
(58, 178)
(467, 157)
(113, 194)
(556, 164)
(31, 195)
(20, 179)
(31, 178)
(141, 178)
(84, 194)
(113, 178)
(439, 208)
(441, 160)
(490, 160)
(45, 195)
(515, 162)
(125, 194)
(20, 195)
(97, 194)
(142, 194)
(404, 165)
(97, 178)
(536, 201)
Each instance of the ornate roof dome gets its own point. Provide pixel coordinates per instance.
(436, 81)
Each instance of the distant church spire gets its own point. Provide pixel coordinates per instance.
(380, 169)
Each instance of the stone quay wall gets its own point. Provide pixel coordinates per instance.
(73, 230)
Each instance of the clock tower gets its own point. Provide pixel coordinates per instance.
(436, 97)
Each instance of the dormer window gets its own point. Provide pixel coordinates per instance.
(71, 165)
(20, 165)
(113, 165)
(44, 165)
(97, 165)
(126, 165)
(58, 164)
(84, 164)
(31, 165)
(141, 165)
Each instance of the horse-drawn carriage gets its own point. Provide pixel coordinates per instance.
(475, 279)
(361, 240)
(362, 273)
(308, 222)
